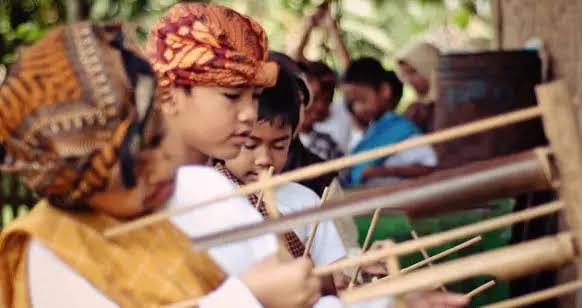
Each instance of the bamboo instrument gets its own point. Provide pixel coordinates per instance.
(341, 163)
(313, 231)
(539, 296)
(505, 263)
(443, 237)
(443, 190)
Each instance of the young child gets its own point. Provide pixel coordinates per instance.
(212, 63)
(72, 126)
(268, 146)
(373, 94)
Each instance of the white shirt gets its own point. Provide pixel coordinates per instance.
(338, 125)
(198, 183)
(420, 155)
(327, 244)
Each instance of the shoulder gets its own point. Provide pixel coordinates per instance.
(296, 196)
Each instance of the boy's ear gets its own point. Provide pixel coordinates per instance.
(177, 104)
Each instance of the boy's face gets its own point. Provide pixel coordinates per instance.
(268, 145)
(212, 121)
(318, 110)
(368, 103)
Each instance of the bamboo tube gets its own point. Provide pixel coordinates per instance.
(426, 256)
(366, 245)
(443, 237)
(480, 289)
(341, 163)
(313, 231)
(539, 296)
(505, 263)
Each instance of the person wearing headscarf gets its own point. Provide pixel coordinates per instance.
(76, 124)
(416, 66)
(213, 64)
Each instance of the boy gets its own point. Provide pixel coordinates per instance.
(373, 94)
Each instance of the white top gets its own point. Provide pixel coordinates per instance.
(198, 183)
(327, 244)
(338, 125)
(421, 155)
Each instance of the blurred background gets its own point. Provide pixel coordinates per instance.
(375, 28)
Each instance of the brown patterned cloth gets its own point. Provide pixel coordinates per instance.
(294, 244)
(66, 111)
(209, 45)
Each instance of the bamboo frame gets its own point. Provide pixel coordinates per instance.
(426, 256)
(341, 163)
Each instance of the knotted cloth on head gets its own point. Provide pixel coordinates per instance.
(69, 112)
(209, 45)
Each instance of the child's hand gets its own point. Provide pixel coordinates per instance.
(283, 284)
(435, 299)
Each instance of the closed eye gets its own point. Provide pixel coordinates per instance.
(232, 96)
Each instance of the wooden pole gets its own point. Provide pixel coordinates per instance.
(561, 126)
(539, 296)
(341, 163)
(443, 237)
(505, 263)
(313, 231)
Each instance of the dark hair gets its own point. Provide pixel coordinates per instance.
(280, 104)
(324, 74)
(369, 71)
(285, 62)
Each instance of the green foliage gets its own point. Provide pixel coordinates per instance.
(371, 27)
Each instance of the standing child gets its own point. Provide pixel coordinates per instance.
(374, 93)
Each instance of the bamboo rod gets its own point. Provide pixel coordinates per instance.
(443, 237)
(313, 231)
(505, 263)
(426, 256)
(436, 257)
(341, 163)
(480, 289)
(366, 245)
(539, 296)
(393, 266)
(190, 303)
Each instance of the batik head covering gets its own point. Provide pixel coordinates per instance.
(209, 45)
(74, 105)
